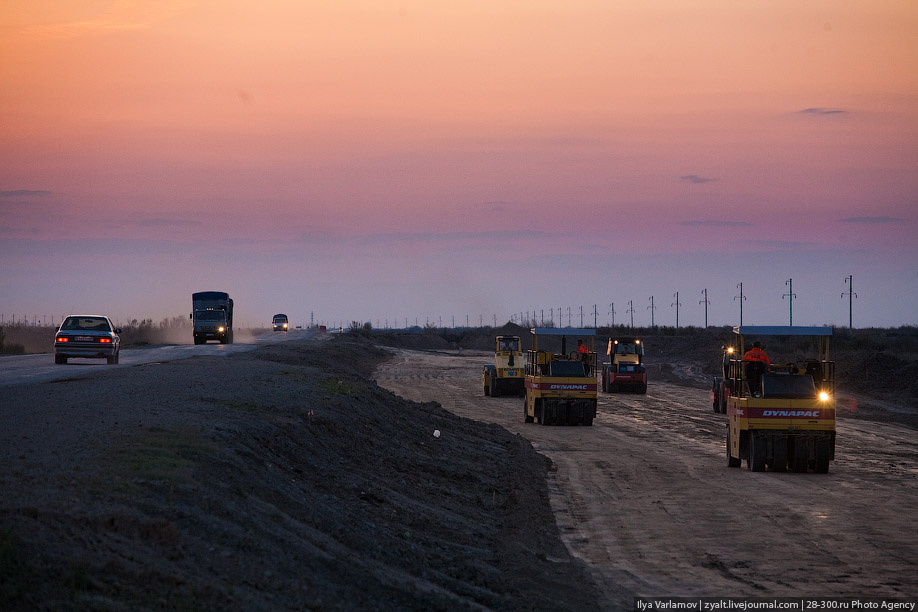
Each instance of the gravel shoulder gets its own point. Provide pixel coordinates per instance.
(281, 478)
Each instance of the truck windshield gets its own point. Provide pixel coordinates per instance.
(210, 315)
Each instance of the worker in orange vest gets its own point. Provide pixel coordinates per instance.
(584, 353)
(756, 363)
(757, 354)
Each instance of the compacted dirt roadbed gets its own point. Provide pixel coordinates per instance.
(277, 479)
(645, 496)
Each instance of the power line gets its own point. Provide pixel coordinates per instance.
(676, 304)
(742, 298)
(791, 295)
(851, 295)
(705, 302)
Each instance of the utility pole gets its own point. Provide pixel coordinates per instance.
(790, 298)
(568, 316)
(652, 308)
(742, 298)
(581, 317)
(676, 304)
(705, 302)
(595, 316)
(631, 310)
(851, 295)
(612, 312)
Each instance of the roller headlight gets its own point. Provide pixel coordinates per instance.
(823, 396)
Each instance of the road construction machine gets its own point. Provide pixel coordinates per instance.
(505, 375)
(560, 386)
(780, 416)
(625, 369)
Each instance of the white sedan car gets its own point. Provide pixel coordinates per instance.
(91, 336)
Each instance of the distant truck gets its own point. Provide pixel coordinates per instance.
(279, 322)
(212, 316)
(625, 369)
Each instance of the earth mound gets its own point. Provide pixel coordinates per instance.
(281, 478)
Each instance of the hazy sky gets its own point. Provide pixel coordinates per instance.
(424, 161)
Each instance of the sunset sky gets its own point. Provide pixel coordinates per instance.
(410, 160)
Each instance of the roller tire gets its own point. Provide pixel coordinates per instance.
(823, 454)
(526, 417)
(798, 455)
(756, 460)
(732, 461)
(779, 454)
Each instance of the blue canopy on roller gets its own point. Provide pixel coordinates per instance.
(562, 331)
(781, 330)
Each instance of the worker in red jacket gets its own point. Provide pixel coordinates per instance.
(757, 354)
(756, 363)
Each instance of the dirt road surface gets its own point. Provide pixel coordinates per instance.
(645, 496)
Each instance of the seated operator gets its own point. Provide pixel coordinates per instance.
(584, 353)
(757, 363)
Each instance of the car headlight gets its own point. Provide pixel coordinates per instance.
(221, 329)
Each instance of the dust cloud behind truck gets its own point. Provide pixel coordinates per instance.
(212, 316)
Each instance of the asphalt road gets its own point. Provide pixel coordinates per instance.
(24, 369)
